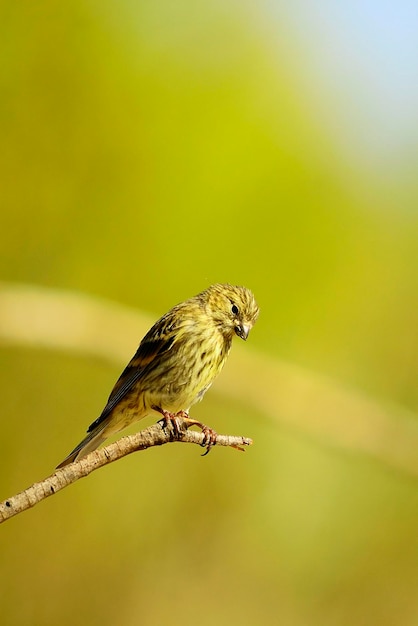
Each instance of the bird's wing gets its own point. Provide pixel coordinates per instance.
(159, 339)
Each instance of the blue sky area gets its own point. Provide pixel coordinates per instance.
(362, 60)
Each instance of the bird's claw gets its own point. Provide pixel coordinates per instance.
(170, 419)
(209, 440)
(209, 435)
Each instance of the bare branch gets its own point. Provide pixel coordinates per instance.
(156, 435)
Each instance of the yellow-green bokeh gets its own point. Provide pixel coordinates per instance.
(148, 150)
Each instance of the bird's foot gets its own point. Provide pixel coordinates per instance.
(210, 435)
(173, 419)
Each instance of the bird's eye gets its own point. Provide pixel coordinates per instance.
(235, 309)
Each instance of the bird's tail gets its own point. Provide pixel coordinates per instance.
(89, 443)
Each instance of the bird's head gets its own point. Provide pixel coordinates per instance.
(233, 309)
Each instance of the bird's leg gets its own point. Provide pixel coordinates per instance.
(209, 434)
(170, 418)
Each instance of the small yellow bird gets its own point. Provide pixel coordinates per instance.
(176, 362)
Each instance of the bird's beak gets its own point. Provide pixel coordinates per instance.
(243, 331)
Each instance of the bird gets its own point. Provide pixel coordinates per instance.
(175, 364)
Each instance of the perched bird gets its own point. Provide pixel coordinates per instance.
(176, 362)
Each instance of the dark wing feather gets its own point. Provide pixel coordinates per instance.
(159, 339)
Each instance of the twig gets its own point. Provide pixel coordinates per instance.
(156, 435)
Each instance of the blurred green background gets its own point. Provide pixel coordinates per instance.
(148, 150)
